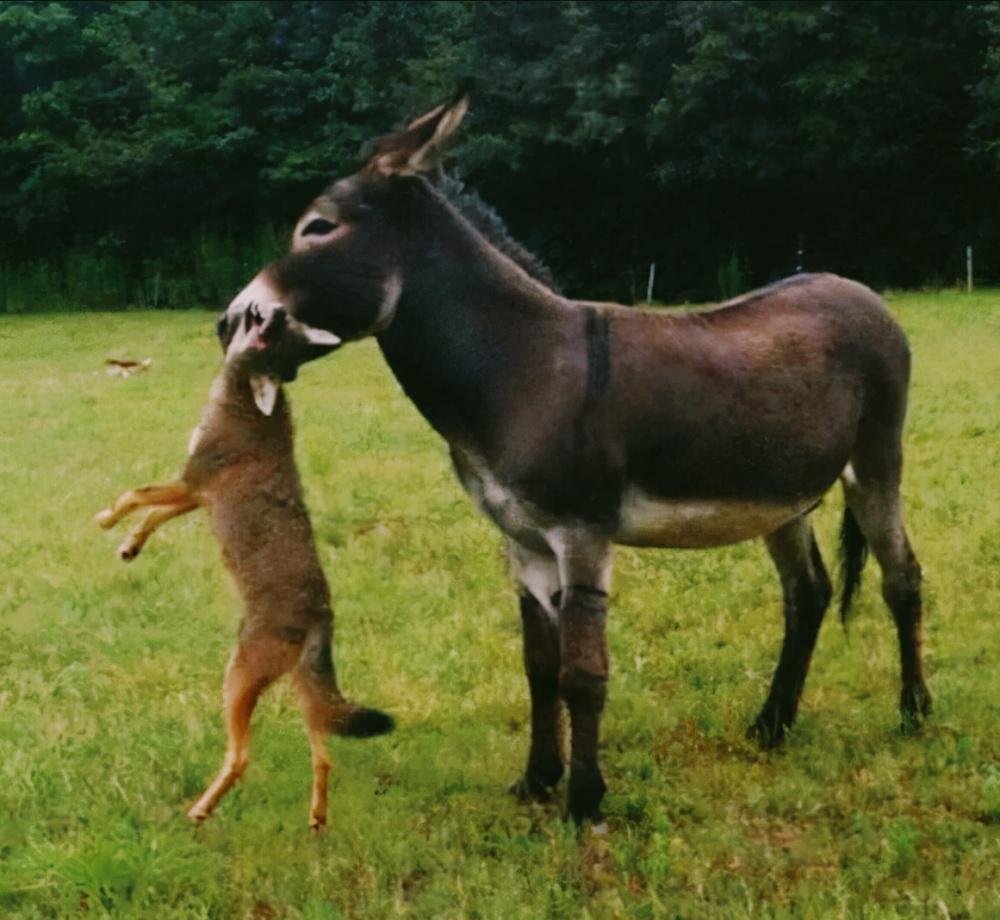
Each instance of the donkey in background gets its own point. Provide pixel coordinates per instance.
(575, 426)
(241, 466)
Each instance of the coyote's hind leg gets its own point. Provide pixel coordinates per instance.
(257, 662)
(326, 712)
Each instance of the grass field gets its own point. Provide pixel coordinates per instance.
(110, 675)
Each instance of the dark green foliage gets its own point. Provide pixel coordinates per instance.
(611, 135)
(732, 277)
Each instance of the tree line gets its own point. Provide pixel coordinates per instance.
(156, 152)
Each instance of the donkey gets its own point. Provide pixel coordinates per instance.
(241, 466)
(575, 426)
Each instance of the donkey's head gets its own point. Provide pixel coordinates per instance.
(346, 266)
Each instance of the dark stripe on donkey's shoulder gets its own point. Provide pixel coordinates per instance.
(598, 355)
(589, 488)
(598, 335)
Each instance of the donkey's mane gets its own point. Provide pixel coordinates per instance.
(486, 220)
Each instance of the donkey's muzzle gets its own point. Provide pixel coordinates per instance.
(269, 322)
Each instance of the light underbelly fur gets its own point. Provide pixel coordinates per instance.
(644, 520)
(648, 521)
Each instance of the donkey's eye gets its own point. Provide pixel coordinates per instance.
(318, 227)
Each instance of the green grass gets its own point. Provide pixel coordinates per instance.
(110, 675)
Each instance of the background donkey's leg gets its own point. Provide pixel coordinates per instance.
(539, 585)
(585, 572)
(807, 590)
(880, 518)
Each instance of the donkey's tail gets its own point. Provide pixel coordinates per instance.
(853, 555)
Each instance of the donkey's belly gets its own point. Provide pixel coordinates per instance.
(649, 521)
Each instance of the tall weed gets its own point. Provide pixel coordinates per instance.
(733, 277)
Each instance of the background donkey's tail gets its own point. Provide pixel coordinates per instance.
(853, 555)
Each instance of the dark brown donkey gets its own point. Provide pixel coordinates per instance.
(575, 426)
(241, 467)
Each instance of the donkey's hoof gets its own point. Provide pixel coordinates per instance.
(531, 788)
(539, 780)
(586, 789)
(769, 730)
(528, 789)
(915, 706)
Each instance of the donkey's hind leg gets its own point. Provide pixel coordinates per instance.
(257, 662)
(807, 590)
(539, 587)
(879, 514)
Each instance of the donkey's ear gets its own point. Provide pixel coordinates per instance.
(412, 150)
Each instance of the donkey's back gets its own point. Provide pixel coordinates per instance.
(750, 410)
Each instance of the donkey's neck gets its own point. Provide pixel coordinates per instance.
(461, 325)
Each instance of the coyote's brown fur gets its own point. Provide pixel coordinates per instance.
(241, 467)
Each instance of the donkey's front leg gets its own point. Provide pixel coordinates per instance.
(583, 679)
(541, 666)
(539, 585)
(585, 573)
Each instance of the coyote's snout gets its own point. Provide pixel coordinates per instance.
(241, 467)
